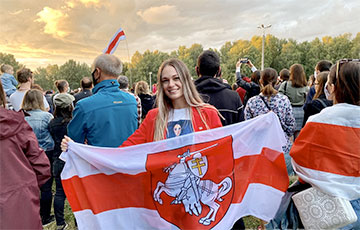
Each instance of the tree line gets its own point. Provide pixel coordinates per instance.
(279, 54)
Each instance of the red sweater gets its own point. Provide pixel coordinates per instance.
(145, 133)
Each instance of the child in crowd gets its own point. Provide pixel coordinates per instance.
(8, 80)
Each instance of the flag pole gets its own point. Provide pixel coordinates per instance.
(127, 46)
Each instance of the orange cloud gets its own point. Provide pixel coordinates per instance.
(87, 3)
(52, 19)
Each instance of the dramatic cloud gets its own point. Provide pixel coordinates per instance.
(55, 31)
(159, 15)
(52, 19)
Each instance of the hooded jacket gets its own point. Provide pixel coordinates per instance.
(24, 167)
(227, 102)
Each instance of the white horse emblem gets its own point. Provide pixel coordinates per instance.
(185, 185)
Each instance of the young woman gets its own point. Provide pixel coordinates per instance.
(58, 129)
(24, 167)
(270, 99)
(296, 89)
(180, 109)
(39, 121)
(332, 136)
(147, 101)
(319, 101)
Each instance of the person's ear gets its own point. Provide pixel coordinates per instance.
(197, 71)
(218, 73)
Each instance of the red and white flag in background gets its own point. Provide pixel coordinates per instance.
(326, 154)
(202, 180)
(114, 42)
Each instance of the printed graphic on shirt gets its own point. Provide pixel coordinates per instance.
(179, 123)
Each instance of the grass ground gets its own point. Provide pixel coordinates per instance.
(250, 221)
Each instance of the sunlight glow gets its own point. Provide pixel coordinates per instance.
(52, 19)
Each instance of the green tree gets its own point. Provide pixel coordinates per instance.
(10, 60)
(189, 56)
(73, 71)
(355, 50)
(143, 64)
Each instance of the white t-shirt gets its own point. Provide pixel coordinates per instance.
(179, 123)
(17, 98)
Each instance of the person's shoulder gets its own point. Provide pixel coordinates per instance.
(254, 99)
(153, 112)
(207, 108)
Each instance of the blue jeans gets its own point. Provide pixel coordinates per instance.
(60, 197)
(356, 205)
(46, 193)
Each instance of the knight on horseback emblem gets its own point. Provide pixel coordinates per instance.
(185, 184)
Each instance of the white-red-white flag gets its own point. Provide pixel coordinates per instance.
(202, 180)
(114, 42)
(326, 154)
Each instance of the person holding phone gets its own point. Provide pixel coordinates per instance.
(252, 88)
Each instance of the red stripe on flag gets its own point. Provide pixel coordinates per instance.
(113, 42)
(267, 168)
(102, 192)
(338, 153)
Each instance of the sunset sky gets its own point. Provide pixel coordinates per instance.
(42, 32)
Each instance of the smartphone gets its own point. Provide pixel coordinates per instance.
(244, 60)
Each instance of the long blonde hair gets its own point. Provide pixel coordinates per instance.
(192, 97)
(141, 88)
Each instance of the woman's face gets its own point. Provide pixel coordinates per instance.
(330, 88)
(316, 83)
(177, 130)
(172, 86)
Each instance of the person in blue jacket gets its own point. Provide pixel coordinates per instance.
(109, 116)
(8, 80)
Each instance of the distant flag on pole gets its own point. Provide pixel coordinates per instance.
(118, 36)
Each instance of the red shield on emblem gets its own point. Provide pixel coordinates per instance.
(192, 186)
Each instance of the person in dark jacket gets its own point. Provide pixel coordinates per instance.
(58, 129)
(86, 86)
(319, 101)
(147, 101)
(321, 66)
(24, 167)
(214, 91)
(252, 88)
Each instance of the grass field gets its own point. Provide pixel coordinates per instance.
(250, 221)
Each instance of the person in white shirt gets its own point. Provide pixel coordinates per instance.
(25, 79)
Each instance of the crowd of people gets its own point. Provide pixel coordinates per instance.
(36, 126)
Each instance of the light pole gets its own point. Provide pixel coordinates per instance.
(150, 73)
(263, 43)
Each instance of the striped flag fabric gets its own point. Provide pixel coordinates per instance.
(114, 42)
(326, 154)
(202, 180)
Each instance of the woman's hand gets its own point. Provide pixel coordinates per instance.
(64, 143)
(249, 63)
(238, 63)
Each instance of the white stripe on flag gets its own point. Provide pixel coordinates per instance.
(131, 160)
(114, 39)
(260, 200)
(347, 187)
